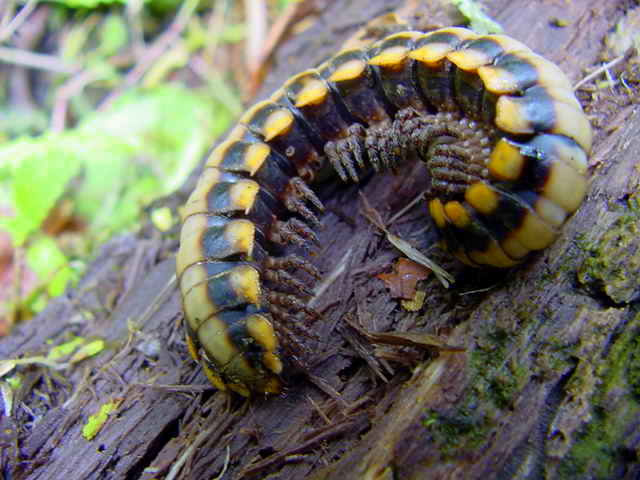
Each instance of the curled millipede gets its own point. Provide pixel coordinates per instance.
(499, 128)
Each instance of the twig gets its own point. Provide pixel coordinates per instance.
(27, 38)
(280, 28)
(219, 90)
(18, 20)
(67, 91)
(36, 60)
(256, 12)
(6, 12)
(215, 429)
(216, 23)
(226, 464)
(405, 209)
(316, 438)
(405, 247)
(598, 71)
(317, 408)
(330, 278)
(134, 7)
(163, 42)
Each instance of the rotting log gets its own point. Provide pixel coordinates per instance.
(548, 384)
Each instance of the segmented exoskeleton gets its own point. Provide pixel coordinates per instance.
(499, 128)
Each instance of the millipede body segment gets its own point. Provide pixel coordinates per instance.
(499, 128)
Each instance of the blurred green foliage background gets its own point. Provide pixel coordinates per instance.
(105, 106)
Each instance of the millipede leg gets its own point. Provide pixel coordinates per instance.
(344, 152)
(384, 147)
(290, 342)
(277, 270)
(292, 262)
(291, 232)
(290, 302)
(286, 280)
(295, 197)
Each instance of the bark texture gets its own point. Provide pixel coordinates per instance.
(547, 386)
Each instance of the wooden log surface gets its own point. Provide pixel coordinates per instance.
(547, 386)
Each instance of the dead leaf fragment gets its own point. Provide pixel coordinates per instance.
(402, 281)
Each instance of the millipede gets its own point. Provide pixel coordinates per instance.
(502, 135)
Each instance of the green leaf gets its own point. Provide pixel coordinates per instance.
(479, 21)
(89, 349)
(39, 180)
(74, 42)
(282, 4)
(14, 382)
(143, 147)
(233, 33)
(162, 218)
(18, 227)
(96, 421)
(65, 349)
(58, 284)
(50, 264)
(112, 35)
(87, 3)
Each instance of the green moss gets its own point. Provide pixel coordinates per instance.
(621, 355)
(599, 447)
(634, 204)
(494, 384)
(491, 351)
(597, 451)
(582, 383)
(612, 264)
(582, 241)
(456, 431)
(503, 388)
(520, 374)
(633, 368)
(497, 380)
(524, 312)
